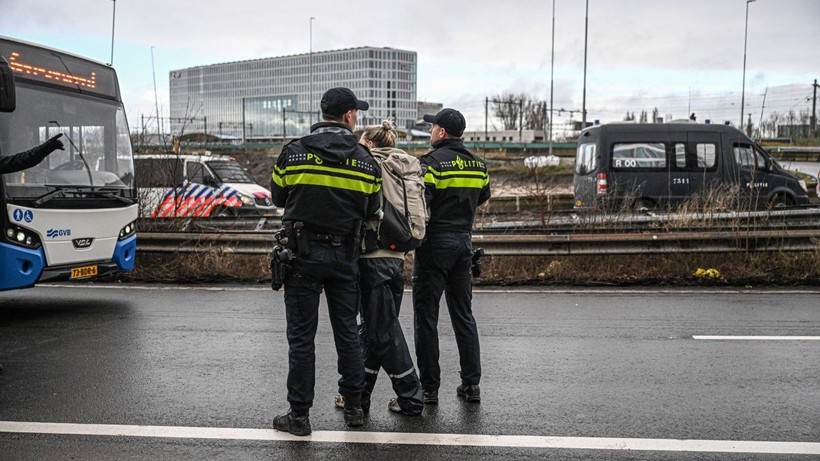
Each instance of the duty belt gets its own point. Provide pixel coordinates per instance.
(333, 239)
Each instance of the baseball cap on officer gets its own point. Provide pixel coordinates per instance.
(450, 119)
(337, 101)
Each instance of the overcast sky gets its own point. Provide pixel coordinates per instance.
(676, 55)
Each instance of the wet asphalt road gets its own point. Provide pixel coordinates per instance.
(580, 363)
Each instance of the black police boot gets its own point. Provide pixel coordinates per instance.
(430, 397)
(354, 415)
(470, 393)
(297, 423)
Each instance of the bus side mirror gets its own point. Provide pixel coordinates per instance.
(8, 99)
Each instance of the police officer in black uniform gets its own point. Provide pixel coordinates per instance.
(456, 182)
(327, 183)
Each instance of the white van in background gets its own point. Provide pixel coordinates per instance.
(173, 186)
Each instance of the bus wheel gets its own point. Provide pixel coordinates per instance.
(780, 201)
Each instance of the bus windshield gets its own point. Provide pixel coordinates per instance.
(95, 135)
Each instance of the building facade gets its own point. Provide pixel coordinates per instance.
(273, 98)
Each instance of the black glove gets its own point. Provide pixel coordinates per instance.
(53, 144)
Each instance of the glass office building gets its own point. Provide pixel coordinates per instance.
(271, 98)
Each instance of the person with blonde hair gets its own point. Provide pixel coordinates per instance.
(381, 287)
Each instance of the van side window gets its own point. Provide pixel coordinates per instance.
(745, 157)
(644, 155)
(680, 155)
(196, 172)
(706, 155)
(164, 173)
(585, 159)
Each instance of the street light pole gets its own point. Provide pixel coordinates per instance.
(586, 36)
(113, 21)
(743, 91)
(552, 72)
(156, 99)
(310, 104)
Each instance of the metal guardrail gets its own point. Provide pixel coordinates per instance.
(259, 243)
(554, 222)
(795, 229)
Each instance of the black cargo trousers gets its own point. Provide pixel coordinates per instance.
(442, 265)
(382, 285)
(330, 266)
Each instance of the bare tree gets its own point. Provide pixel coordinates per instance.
(535, 115)
(520, 111)
(507, 108)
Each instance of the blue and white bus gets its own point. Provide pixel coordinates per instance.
(72, 216)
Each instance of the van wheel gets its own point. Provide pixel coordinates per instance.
(643, 204)
(225, 212)
(780, 201)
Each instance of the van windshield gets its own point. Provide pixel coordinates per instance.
(585, 161)
(230, 171)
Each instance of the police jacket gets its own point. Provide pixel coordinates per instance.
(456, 183)
(326, 180)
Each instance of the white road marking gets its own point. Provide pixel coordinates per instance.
(756, 338)
(409, 438)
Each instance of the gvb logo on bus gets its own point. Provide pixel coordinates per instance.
(54, 233)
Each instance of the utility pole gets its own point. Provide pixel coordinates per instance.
(584, 102)
(520, 119)
(552, 72)
(486, 118)
(814, 111)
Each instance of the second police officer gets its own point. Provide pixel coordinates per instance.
(327, 183)
(456, 182)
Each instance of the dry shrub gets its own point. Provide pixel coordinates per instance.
(792, 268)
(670, 269)
(210, 265)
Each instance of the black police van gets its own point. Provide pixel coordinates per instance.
(641, 166)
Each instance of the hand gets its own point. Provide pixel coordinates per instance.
(54, 143)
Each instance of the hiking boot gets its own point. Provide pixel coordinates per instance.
(354, 416)
(395, 407)
(295, 423)
(430, 397)
(470, 393)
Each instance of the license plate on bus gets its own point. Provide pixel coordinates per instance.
(83, 272)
